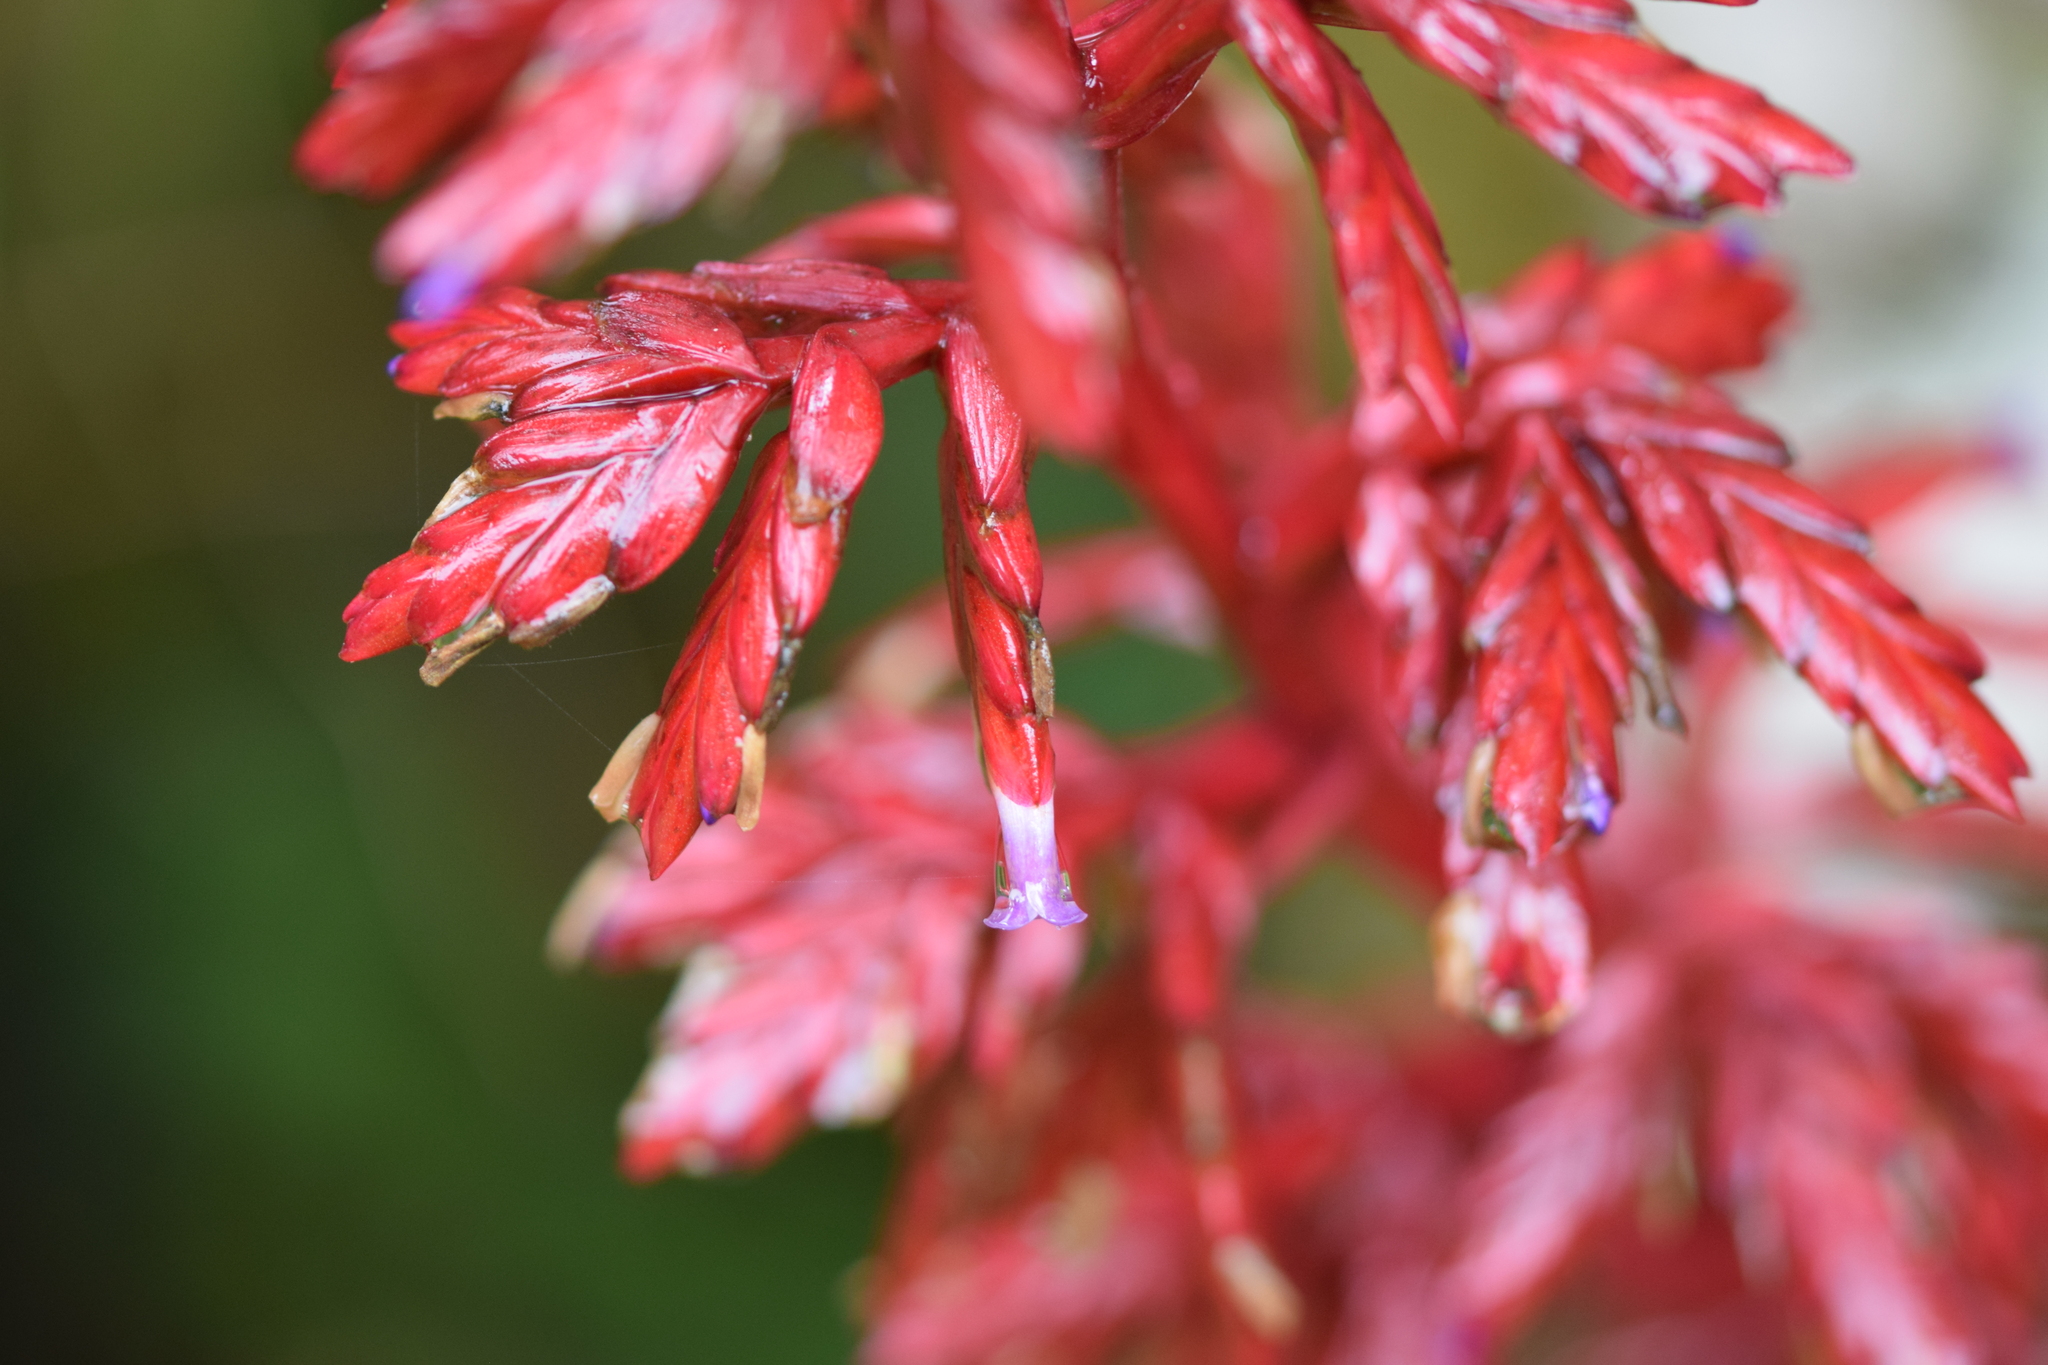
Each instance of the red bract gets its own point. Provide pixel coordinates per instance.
(1588, 87)
(617, 425)
(1403, 554)
(412, 80)
(633, 108)
(1444, 596)
(1511, 942)
(1400, 311)
(993, 92)
(1114, 1193)
(1598, 417)
(1063, 1238)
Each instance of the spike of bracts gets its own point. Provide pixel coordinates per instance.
(1446, 598)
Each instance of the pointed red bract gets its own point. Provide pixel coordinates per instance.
(1510, 942)
(1069, 1274)
(616, 426)
(1560, 627)
(1404, 561)
(1201, 906)
(1141, 59)
(1400, 310)
(1214, 253)
(708, 755)
(1587, 86)
(885, 231)
(1563, 1157)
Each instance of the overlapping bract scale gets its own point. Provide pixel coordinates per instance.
(617, 425)
(707, 755)
(1100, 1258)
(1214, 253)
(1404, 558)
(1049, 1210)
(1077, 1208)
(1561, 625)
(1583, 81)
(885, 231)
(1511, 943)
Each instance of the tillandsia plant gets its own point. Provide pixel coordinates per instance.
(1767, 1135)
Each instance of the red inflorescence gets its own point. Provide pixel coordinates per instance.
(1767, 1134)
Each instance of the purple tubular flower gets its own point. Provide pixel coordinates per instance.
(438, 291)
(1030, 884)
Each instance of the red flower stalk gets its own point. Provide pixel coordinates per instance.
(993, 578)
(1447, 596)
(1590, 394)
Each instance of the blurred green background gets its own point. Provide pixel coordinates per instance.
(288, 1078)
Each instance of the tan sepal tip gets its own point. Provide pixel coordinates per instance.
(475, 407)
(1453, 954)
(1897, 790)
(466, 488)
(458, 647)
(807, 506)
(1259, 1289)
(1482, 825)
(753, 775)
(1204, 1099)
(1041, 667)
(613, 793)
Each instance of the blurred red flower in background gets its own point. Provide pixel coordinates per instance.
(1764, 1130)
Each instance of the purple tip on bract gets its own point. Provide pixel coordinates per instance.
(391, 366)
(1461, 350)
(1738, 242)
(1595, 805)
(438, 291)
(1033, 887)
